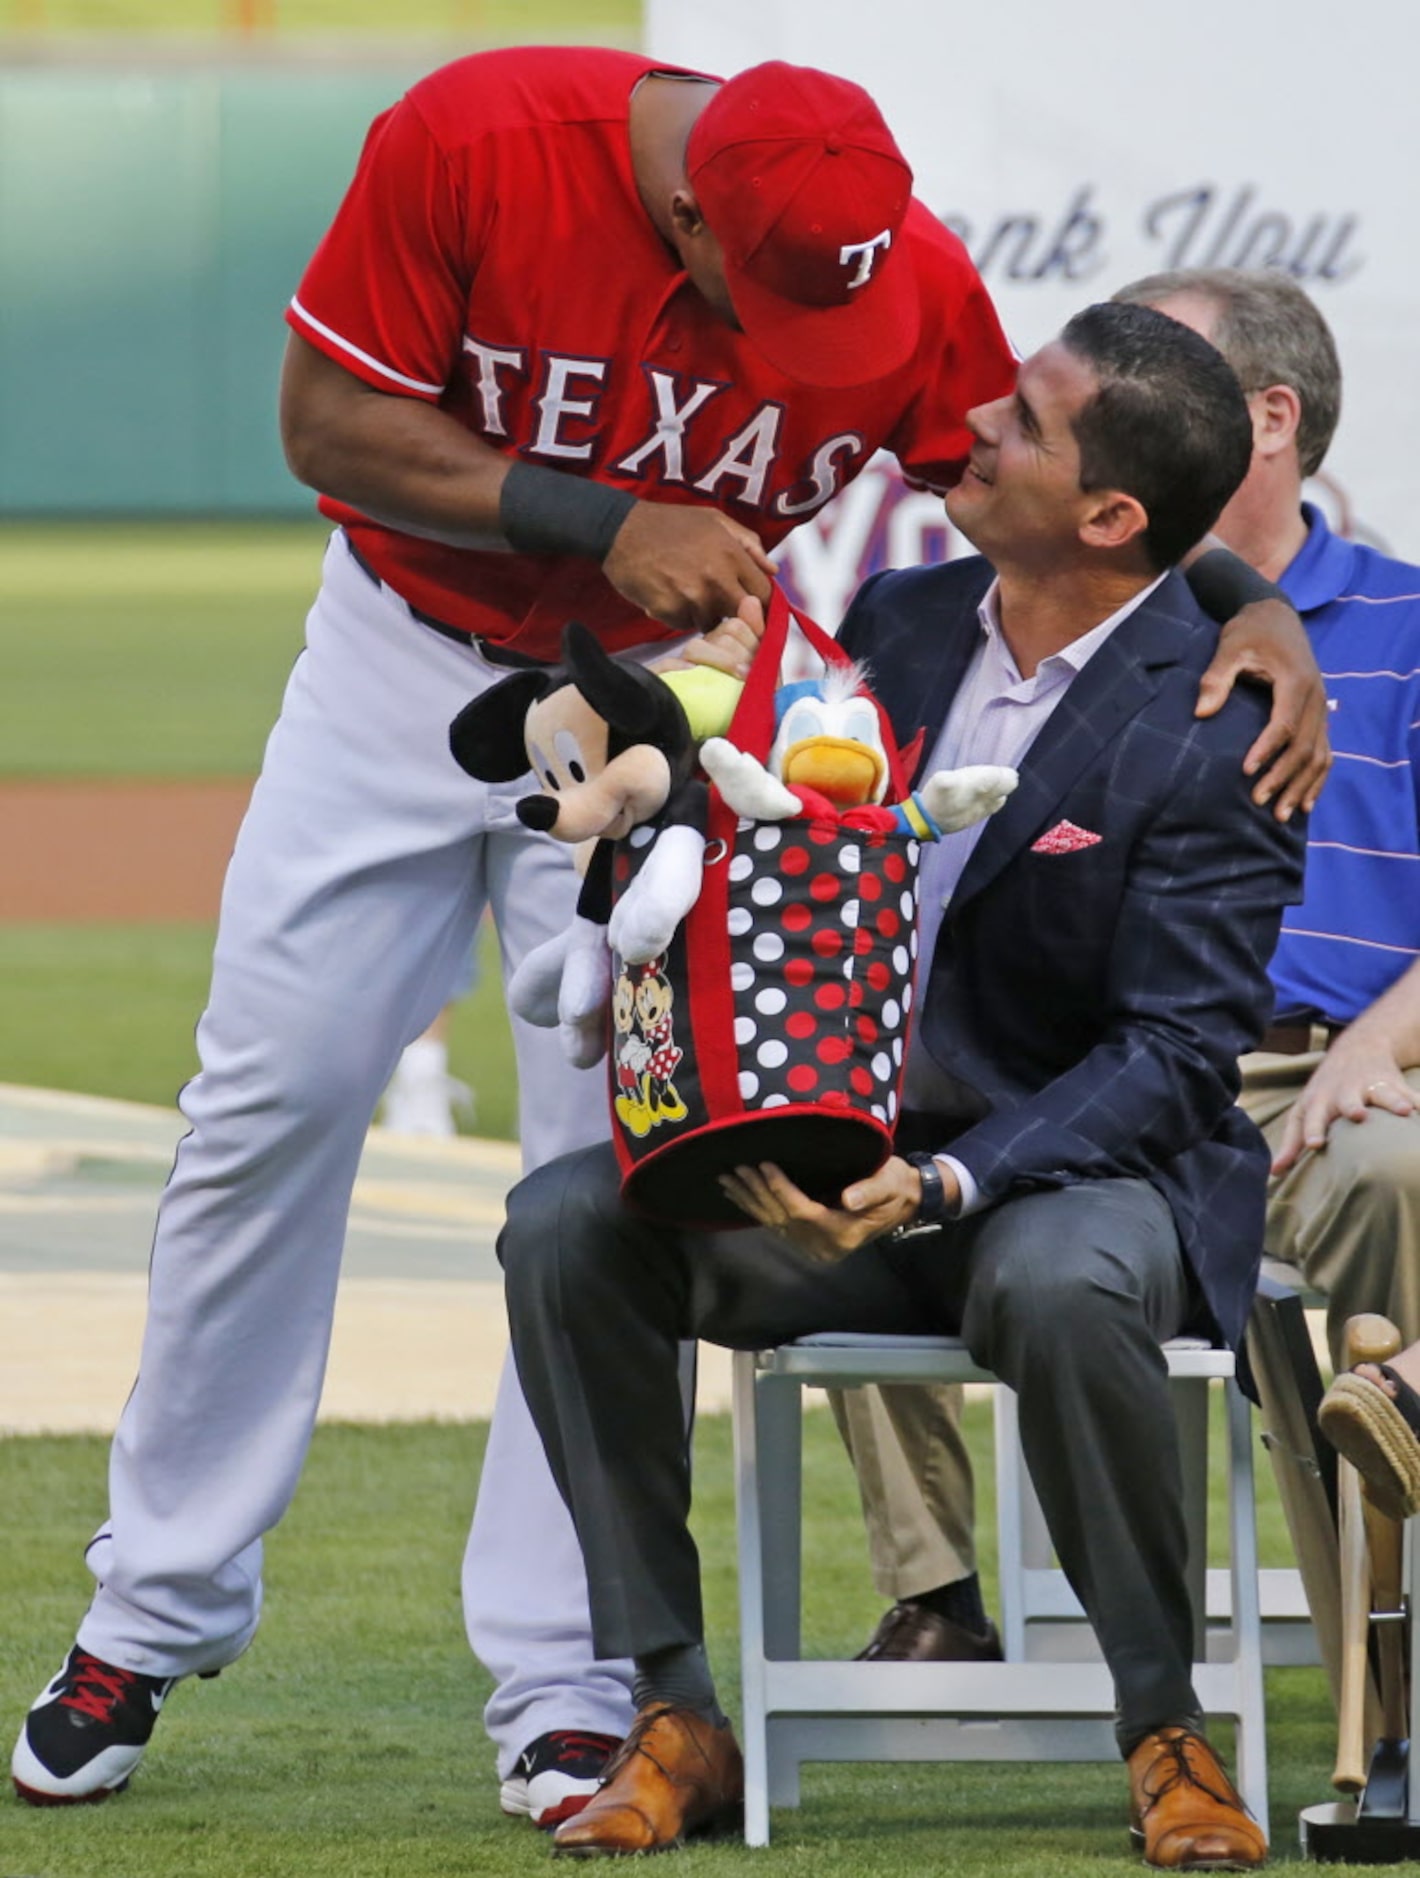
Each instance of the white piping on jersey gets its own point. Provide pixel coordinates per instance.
(1414, 672)
(1341, 939)
(1376, 762)
(414, 384)
(1373, 599)
(1380, 854)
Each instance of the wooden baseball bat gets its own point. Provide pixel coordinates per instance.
(1367, 1339)
(1384, 1541)
(1376, 1340)
(1290, 1437)
(1349, 1774)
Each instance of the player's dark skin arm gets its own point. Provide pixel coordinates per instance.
(1265, 641)
(409, 465)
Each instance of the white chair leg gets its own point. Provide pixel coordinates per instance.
(1013, 1490)
(751, 1562)
(780, 1421)
(1247, 1608)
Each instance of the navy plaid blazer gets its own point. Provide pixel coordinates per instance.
(1089, 1004)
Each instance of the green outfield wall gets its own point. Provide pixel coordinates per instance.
(152, 229)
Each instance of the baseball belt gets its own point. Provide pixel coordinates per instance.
(488, 649)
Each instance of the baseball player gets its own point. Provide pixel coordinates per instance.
(587, 337)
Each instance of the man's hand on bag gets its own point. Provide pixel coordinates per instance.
(728, 647)
(687, 567)
(867, 1209)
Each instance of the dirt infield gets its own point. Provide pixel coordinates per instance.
(91, 851)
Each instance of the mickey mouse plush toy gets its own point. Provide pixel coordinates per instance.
(613, 746)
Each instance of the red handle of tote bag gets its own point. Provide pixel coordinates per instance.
(752, 727)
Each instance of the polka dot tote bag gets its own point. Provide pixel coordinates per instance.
(774, 1027)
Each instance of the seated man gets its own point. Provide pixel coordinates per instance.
(1335, 1086)
(1081, 1011)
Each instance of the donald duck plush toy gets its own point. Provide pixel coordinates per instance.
(827, 763)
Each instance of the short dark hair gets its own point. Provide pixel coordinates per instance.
(1168, 425)
(1272, 333)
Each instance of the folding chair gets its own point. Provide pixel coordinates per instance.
(1027, 1708)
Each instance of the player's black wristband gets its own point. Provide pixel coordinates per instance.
(543, 511)
(1223, 584)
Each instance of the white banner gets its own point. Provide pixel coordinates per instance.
(1074, 152)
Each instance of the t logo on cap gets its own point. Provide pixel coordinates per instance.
(868, 251)
(792, 169)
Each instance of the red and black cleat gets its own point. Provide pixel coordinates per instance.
(86, 1733)
(556, 1775)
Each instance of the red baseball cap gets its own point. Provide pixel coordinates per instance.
(803, 186)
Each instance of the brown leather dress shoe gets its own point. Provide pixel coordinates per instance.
(910, 1633)
(1185, 1811)
(674, 1775)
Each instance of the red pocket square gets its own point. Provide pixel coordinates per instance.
(1064, 838)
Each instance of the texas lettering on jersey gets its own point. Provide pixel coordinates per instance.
(493, 256)
(683, 445)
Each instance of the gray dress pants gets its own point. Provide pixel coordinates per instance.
(1065, 1294)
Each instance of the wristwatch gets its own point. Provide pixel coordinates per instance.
(933, 1209)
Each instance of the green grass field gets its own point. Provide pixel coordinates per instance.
(110, 1010)
(157, 650)
(348, 1743)
(148, 649)
(486, 21)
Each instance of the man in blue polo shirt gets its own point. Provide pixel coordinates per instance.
(1336, 1087)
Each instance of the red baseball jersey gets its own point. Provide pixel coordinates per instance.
(493, 256)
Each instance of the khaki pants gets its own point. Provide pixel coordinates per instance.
(914, 1479)
(1348, 1217)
